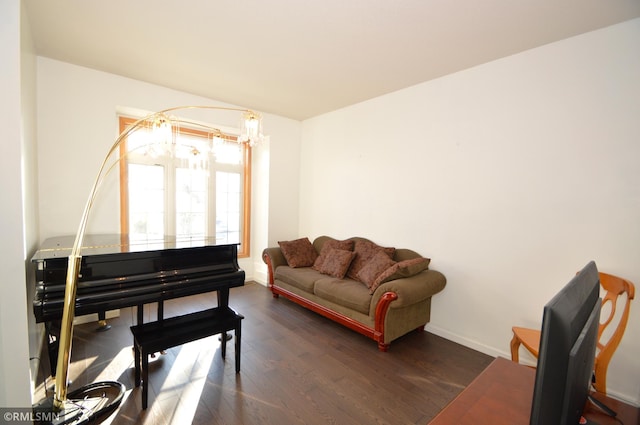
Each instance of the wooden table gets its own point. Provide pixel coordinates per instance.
(502, 395)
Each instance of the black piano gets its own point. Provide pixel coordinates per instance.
(116, 273)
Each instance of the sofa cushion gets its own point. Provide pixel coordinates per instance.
(301, 277)
(299, 252)
(365, 250)
(327, 247)
(337, 263)
(345, 292)
(374, 267)
(402, 269)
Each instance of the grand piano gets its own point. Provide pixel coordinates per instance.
(116, 273)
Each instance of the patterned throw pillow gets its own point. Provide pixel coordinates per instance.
(406, 268)
(365, 250)
(327, 247)
(376, 265)
(299, 252)
(337, 263)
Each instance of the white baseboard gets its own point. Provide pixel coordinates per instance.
(260, 277)
(94, 317)
(467, 342)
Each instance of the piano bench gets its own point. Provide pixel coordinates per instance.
(152, 337)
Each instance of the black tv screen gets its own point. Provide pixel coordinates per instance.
(567, 351)
(580, 368)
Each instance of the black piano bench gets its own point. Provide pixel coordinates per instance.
(152, 337)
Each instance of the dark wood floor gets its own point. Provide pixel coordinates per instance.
(297, 368)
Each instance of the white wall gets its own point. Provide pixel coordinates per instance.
(511, 176)
(77, 124)
(30, 185)
(17, 219)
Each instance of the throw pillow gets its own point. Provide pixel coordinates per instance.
(406, 268)
(365, 250)
(337, 263)
(299, 252)
(327, 247)
(374, 267)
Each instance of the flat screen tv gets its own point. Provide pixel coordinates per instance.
(567, 351)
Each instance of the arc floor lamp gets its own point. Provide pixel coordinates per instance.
(100, 398)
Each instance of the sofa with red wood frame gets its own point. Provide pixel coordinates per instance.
(380, 292)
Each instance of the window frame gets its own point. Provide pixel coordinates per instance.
(244, 249)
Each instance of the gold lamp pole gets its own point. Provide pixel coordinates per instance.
(250, 134)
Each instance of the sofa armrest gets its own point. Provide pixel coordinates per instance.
(410, 290)
(274, 258)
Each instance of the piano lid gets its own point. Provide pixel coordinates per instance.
(99, 244)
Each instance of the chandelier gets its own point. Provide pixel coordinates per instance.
(162, 125)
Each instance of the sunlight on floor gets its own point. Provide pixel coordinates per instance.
(194, 362)
(178, 391)
(120, 363)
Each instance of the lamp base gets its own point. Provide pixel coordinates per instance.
(89, 404)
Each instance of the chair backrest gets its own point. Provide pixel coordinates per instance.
(614, 287)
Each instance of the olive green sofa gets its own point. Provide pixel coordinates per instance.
(380, 296)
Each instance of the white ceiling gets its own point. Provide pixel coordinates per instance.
(302, 58)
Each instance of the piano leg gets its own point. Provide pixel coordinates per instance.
(52, 330)
(160, 317)
(223, 297)
(102, 322)
(223, 301)
(52, 333)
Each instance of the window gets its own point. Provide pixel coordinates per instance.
(188, 196)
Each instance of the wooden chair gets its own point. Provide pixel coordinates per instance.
(614, 287)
